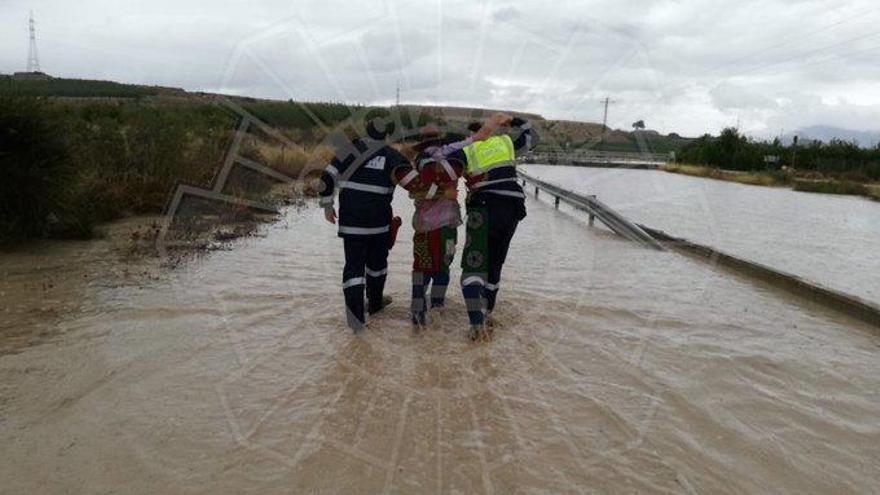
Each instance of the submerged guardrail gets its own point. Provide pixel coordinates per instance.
(597, 209)
(850, 305)
(845, 303)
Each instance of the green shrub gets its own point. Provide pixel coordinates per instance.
(131, 156)
(69, 164)
(37, 171)
(67, 167)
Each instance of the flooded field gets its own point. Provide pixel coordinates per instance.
(829, 239)
(615, 369)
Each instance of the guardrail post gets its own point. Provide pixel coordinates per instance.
(592, 217)
(556, 203)
(596, 209)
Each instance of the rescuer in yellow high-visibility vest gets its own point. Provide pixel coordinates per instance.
(483, 156)
(495, 206)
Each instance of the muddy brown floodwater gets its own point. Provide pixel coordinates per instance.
(829, 239)
(615, 369)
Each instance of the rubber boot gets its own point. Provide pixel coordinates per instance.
(376, 308)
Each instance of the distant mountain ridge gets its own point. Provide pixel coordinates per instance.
(865, 139)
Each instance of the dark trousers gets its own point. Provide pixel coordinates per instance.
(490, 229)
(366, 264)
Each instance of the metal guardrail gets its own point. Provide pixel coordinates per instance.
(848, 304)
(597, 209)
(599, 157)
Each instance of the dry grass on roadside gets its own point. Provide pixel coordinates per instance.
(831, 186)
(799, 183)
(293, 160)
(751, 178)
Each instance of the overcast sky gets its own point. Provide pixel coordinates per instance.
(687, 66)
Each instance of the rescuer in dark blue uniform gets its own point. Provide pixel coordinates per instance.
(365, 172)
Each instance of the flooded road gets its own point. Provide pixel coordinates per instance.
(614, 369)
(829, 239)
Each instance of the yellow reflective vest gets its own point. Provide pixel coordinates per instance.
(485, 155)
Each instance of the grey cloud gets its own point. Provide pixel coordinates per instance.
(687, 66)
(506, 14)
(390, 52)
(737, 97)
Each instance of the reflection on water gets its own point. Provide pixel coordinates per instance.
(830, 239)
(615, 368)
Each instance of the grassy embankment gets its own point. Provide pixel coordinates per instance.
(775, 178)
(742, 177)
(78, 153)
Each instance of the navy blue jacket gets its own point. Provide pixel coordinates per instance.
(365, 176)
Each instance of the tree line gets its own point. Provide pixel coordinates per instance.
(734, 151)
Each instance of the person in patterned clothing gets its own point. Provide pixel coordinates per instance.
(435, 222)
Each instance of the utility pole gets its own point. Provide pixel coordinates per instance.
(398, 93)
(33, 62)
(605, 118)
(607, 102)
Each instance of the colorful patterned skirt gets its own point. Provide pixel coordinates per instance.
(434, 251)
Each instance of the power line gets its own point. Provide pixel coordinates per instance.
(789, 41)
(780, 62)
(811, 52)
(841, 56)
(683, 88)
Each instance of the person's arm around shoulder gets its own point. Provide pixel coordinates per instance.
(497, 120)
(451, 150)
(429, 178)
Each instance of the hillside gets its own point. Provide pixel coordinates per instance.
(566, 134)
(555, 134)
(79, 88)
(80, 152)
(464, 114)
